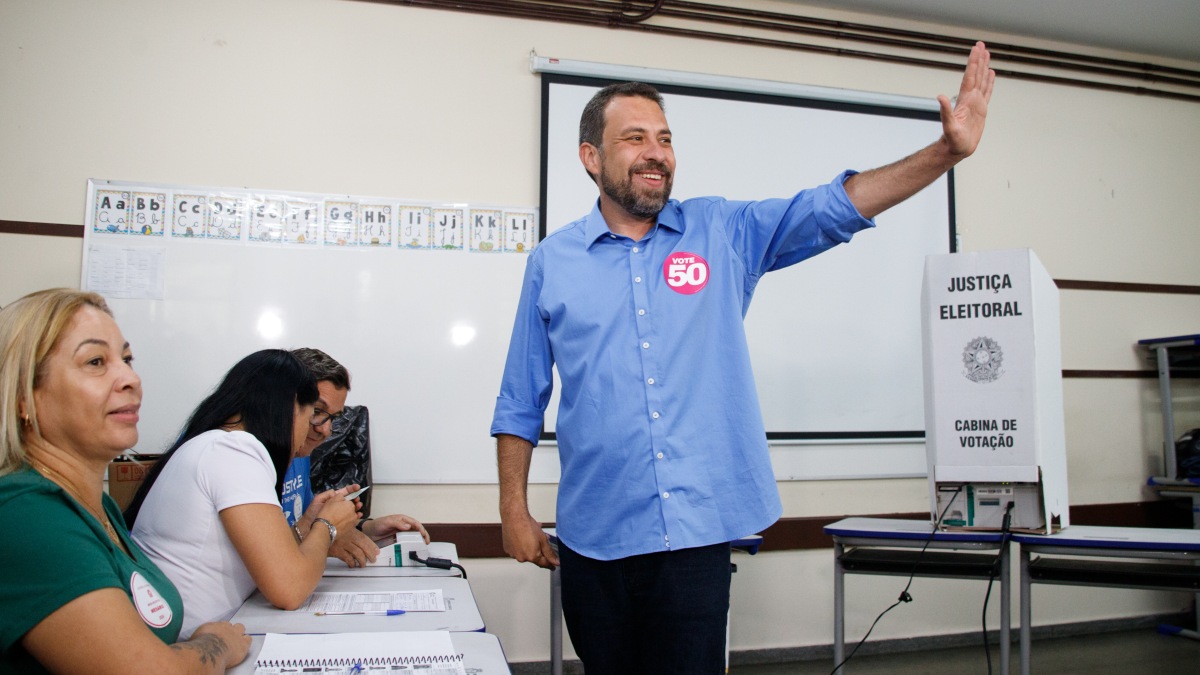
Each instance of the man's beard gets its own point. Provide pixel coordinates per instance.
(639, 205)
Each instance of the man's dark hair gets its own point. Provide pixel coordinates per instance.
(591, 122)
(324, 367)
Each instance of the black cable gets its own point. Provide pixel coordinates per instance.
(438, 563)
(904, 595)
(1005, 532)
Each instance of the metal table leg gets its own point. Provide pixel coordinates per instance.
(556, 638)
(1005, 607)
(1026, 611)
(839, 605)
(1168, 413)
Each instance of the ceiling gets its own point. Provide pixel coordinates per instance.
(1162, 28)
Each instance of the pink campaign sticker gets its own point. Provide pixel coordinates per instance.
(153, 609)
(686, 273)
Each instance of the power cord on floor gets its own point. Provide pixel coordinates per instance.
(438, 563)
(904, 595)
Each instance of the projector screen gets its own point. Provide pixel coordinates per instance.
(835, 340)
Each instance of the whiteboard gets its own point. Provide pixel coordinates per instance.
(835, 340)
(424, 334)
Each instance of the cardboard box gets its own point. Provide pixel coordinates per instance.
(125, 476)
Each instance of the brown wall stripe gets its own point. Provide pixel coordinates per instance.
(1069, 284)
(1119, 374)
(482, 540)
(42, 229)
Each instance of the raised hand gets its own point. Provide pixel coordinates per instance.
(963, 119)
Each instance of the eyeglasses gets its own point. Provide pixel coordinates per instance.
(320, 417)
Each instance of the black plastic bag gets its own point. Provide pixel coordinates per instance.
(345, 457)
(1187, 455)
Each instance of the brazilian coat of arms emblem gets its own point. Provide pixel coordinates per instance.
(982, 360)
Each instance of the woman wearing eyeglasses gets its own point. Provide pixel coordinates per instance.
(209, 515)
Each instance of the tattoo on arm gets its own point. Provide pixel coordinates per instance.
(209, 648)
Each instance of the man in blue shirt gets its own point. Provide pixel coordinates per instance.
(354, 547)
(663, 452)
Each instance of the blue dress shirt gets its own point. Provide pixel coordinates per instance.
(660, 436)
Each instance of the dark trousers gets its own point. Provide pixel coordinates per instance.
(653, 613)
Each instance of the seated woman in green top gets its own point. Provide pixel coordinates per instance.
(76, 595)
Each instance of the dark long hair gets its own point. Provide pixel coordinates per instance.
(260, 392)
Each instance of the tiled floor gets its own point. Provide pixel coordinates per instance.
(1131, 652)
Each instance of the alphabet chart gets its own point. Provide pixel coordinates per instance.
(299, 219)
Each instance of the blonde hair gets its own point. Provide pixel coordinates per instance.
(29, 330)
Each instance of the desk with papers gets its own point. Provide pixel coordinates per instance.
(461, 614)
(377, 588)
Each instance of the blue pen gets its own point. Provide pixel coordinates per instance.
(356, 669)
(377, 612)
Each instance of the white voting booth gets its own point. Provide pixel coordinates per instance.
(993, 391)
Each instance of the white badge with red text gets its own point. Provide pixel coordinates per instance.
(686, 273)
(150, 604)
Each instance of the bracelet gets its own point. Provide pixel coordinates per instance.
(296, 531)
(360, 524)
(332, 529)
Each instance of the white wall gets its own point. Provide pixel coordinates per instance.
(364, 98)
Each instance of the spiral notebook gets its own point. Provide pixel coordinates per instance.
(424, 652)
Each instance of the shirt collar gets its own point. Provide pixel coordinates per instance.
(596, 228)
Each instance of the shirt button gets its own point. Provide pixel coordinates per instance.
(637, 280)
(635, 249)
(659, 455)
(650, 381)
(666, 495)
(654, 415)
(641, 312)
(645, 345)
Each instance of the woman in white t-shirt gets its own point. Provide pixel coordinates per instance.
(208, 513)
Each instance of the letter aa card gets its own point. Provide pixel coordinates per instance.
(111, 213)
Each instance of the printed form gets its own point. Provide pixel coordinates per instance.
(410, 601)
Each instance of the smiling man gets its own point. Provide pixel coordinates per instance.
(354, 547)
(639, 305)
